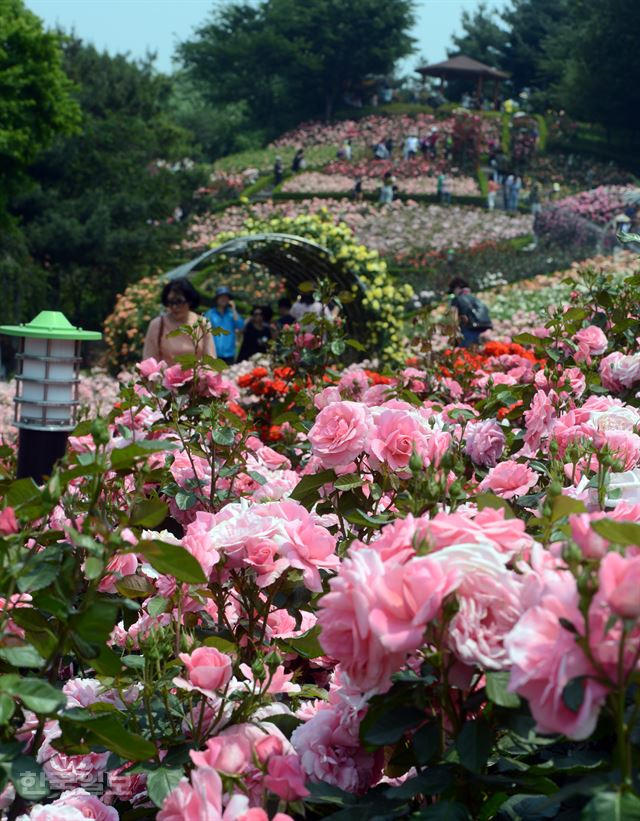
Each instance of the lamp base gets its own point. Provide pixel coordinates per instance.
(38, 451)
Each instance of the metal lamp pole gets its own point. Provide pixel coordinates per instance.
(46, 400)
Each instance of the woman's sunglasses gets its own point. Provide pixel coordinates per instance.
(175, 303)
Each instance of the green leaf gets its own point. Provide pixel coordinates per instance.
(444, 811)
(161, 782)
(573, 694)
(185, 499)
(96, 622)
(157, 605)
(348, 482)
(21, 492)
(224, 436)
(135, 586)
(528, 339)
(220, 643)
(390, 726)
(123, 458)
(612, 806)
(474, 744)
(113, 734)
(7, 708)
(25, 656)
(564, 505)
(321, 793)
(426, 743)
(40, 696)
(306, 645)
(495, 502)
(623, 533)
(496, 688)
(134, 662)
(306, 489)
(173, 560)
(148, 513)
(27, 778)
(432, 781)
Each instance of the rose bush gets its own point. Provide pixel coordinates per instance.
(413, 594)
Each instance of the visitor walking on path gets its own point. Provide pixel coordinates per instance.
(223, 315)
(386, 190)
(299, 161)
(492, 192)
(257, 334)
(284, 310)
(472, 313)
(180, 300)
(277, 171)
(444, 192)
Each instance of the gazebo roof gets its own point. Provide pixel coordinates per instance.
(462, 66)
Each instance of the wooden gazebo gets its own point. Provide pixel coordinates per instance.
(466, 68)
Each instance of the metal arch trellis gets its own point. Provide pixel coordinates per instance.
(293, 258)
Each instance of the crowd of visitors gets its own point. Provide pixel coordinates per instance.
(224, 328)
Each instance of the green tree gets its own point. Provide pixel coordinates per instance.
(483, 38)
(601, 79)
(289, 60)
(35, 94)
(529, 24)
(100, 211)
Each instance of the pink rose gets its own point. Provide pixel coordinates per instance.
(261, 555)
(394, 438)
(200, 799)
(310, 548)
(330, 749)
(619, 578)
(327, 396)
(285, 777)
(376, 612)
(539, 419)
(208, 668)
(590, 543)
(122, 564)
(484, 442)
(340, 433)
(8, 522)
(232, 750)
(151, 369)
(175, 377)
(591, 341)
(545, 657)
(609, 376)
(89, 805)
(509, 479)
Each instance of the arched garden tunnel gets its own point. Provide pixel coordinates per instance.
(295, 260)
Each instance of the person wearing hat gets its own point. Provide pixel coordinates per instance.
(223, 315)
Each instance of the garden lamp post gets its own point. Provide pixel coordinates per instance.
(46, 400)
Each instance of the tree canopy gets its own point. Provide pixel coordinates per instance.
(289, 60)
(35, 93)
(99, 211)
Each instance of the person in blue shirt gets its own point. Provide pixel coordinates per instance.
(224, 315)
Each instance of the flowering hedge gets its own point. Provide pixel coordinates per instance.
(420, 599)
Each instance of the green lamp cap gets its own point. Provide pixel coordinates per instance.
(49, 325)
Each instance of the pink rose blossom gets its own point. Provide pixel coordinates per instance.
(208, 669)
(619, 578)
(340, 433)
(545, 657)
(176, 377)
(484, 442)
(590, 543)
(8, 522)
(509, 479)
(201, 800)
(310, 548)
(285, 777)
(394, 438)
(151, 369)
(591, 341)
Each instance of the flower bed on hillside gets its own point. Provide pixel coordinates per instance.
(395, 229)
(318, 182)
(410, 593)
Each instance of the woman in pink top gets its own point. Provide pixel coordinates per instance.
(180, 300)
